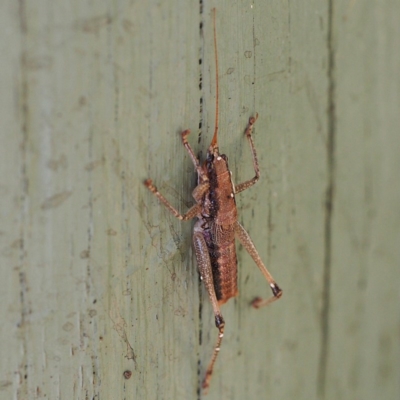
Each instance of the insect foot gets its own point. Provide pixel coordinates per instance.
(219, 322)
(277, 292)
(252, 121)
(149, 184)
(185, 134)
(256, 302)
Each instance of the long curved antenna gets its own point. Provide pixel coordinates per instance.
(214, 142)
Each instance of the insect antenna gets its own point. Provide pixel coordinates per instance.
(214, 143)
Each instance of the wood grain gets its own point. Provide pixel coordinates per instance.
(99, 290)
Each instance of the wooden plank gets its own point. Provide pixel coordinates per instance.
(97, 96)
(13, 312)
(363, 351)
(99, 279)
(273, 60)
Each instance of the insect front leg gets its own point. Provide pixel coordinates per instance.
(204, 265)
(195, 160)
(247, 243)
(245, 185)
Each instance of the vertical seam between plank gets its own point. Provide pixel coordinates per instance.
(329, 199)
(22, 387)
(201, 114)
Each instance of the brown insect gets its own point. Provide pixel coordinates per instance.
(217, 225)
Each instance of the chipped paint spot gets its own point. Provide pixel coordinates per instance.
(55, 200)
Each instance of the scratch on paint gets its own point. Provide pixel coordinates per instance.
(120, 328)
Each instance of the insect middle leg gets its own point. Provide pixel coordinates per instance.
(248, 244)
(191, 213)
(197, 192)
(204, 265)
(245, 185)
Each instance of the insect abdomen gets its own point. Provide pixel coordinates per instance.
(224, 262)
(221, 235)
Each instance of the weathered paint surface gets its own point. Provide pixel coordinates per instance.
(99, 291)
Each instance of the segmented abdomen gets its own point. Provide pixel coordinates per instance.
(223, 259)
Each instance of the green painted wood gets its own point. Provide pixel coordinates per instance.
(98, 279)
(363, 351)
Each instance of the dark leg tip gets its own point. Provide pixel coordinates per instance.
(276, 290)
(219, 321)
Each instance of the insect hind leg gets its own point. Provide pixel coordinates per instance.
(248, 244)
(204, 265)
